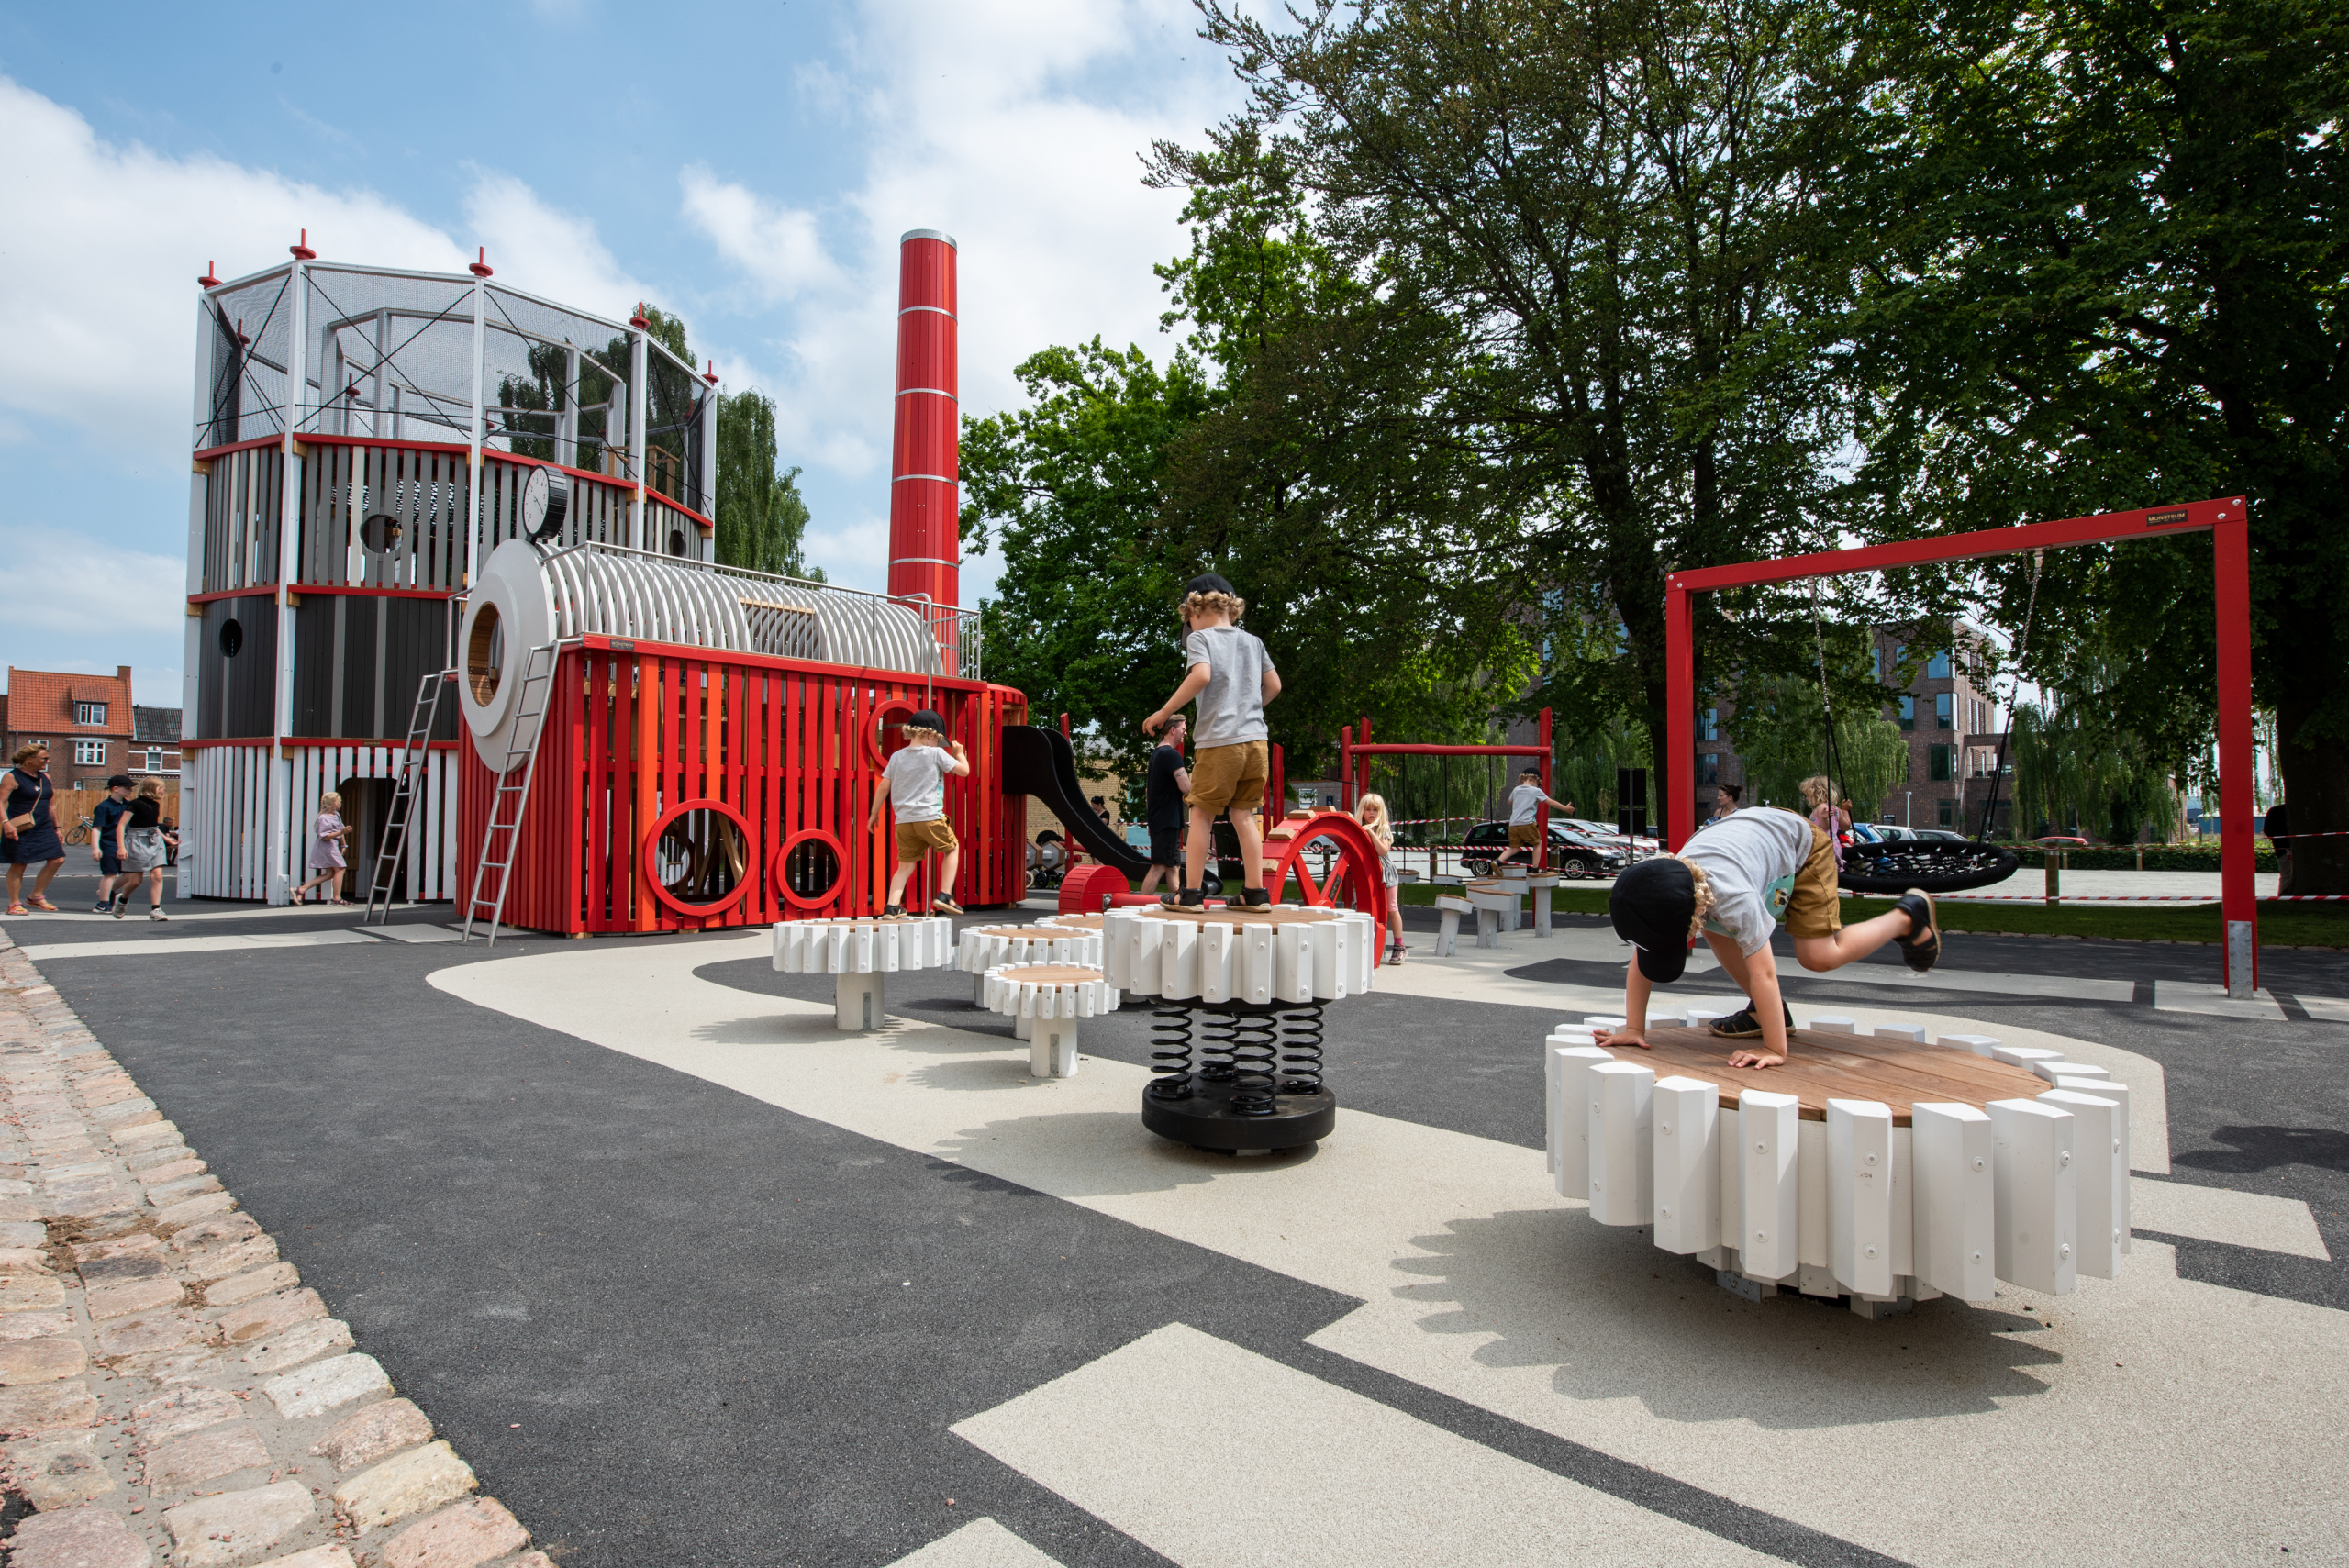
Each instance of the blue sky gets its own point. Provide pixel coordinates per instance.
(749, 167)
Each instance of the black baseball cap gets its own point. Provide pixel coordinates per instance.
(122, 781)
(1651, 904)
(926, 719)
(1209, 582)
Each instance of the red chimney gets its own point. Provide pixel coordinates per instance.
(925, 548)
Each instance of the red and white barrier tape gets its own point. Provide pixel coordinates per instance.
(2116, 898)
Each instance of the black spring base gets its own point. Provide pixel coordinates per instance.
(1259, 1088)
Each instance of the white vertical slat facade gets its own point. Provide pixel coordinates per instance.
(225, 851)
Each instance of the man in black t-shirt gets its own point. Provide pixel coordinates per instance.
(1170, 780)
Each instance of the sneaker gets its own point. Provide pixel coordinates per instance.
(1256, 897)
(121, 908)
(942, 905)
(1922, 946)
(157, 915)
(1189, 898)
(1744, 1024)
(1394, 951)
(101, 907)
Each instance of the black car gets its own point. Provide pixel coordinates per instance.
(1571, 853)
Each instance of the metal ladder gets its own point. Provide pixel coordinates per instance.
(412, 763)
(531, 706)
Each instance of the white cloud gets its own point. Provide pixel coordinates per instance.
(1016, 126)
(103, 248)
(546, 251)
(90, 584)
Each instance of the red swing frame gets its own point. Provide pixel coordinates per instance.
(2227, 521)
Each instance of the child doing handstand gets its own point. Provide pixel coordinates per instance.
(917, 777)
(1731, 882)
(1233, 678)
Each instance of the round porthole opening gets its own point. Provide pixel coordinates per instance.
(232, 637)
(676, 541)
(808, 870)
(485, 655)
(380, 534)
(701, 858)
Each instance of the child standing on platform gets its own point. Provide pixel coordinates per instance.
(1525, 804)
(1232, 676)
(916, 780)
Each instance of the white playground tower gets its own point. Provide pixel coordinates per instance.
(406, 423)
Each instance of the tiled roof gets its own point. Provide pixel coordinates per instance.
(41, 701)
(155, 726)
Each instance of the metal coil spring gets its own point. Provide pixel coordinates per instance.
(1170, 1050)
(1217, 1031)
(1256, 1065)
(1301, 1049)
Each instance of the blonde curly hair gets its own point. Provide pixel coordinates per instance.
(1197, 605)
(1704, 905)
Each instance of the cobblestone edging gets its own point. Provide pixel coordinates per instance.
(169, 1393)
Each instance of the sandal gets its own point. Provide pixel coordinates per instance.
(18, 910)
(1919, 951)
(942, 905)
(39, 903)
(1188, 898)
(1744, 1025)
(1256, 897)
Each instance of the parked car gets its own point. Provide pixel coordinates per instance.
(1940, 833)
(1642, 845)
(1892, 832)
(1572, 853)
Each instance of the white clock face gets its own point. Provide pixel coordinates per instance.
(546, 500)
(534, 502)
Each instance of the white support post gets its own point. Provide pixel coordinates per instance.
(478, 429)
(1979, 1044)
(637, 360)
(1688, 1165)
(856, 1001)
(1813, 1264)
(2034, 1188)
(1571, 1097)
(2100, 1172)
(566, 424)
(1622, 1155)
(1913, 1033)
(709, 471)
(200, 494)
(2022, 1056)
(1052, 1048)
(1767, 1149)
(1859, 1195)
(1732, 1166)
(1829, 1023)
(280, 847)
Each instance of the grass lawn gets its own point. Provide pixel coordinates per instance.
(2281, 925)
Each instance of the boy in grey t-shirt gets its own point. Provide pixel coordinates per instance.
(914, 783)
(1232, 676)
(1731, 883)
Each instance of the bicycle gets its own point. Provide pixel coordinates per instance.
(79, 833)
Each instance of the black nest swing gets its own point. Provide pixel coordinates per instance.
(1891, 867)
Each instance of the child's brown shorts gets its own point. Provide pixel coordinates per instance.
(916, 839)
(1813, 907)
(1229, 776)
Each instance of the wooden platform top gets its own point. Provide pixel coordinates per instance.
(1271, 915)
(1079, 922)
(1822, 1067)
(1033, 933)
(1052, 973)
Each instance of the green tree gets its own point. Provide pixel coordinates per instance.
(2115, 274)
(1779, 729)
(762, 517)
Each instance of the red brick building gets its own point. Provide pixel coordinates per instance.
(85, 719)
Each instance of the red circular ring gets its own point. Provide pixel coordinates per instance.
(651, 870)
(783, 888)
(876, 747)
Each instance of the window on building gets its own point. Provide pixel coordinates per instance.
(1937, 762)
(1908, 713)
(1949, 814)
(1943, 706)
(1709, 725)
(1708, 770)
(89, 713)
(90, 754)
(1937, 667)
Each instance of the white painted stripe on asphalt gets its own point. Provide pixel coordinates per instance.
(982, 1543)
(2202, 996)
(1303, 1473)
(2215, 1214)
(161, 947)
(2331, 1009)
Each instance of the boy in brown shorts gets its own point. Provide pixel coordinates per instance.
(1233, 678)
(916, 778)
(1731, 883)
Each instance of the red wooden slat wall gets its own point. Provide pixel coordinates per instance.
(789, 746)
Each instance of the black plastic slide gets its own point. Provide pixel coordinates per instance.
(1042, 763)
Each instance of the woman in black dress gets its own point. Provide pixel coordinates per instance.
(29, 830)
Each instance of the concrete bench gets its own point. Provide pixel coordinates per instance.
(1448, 911)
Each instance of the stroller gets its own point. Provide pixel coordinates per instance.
(1048, 859)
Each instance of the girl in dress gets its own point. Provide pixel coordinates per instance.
(1372, 815)
(327, 834)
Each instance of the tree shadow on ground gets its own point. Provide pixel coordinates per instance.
(2250, 1149)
